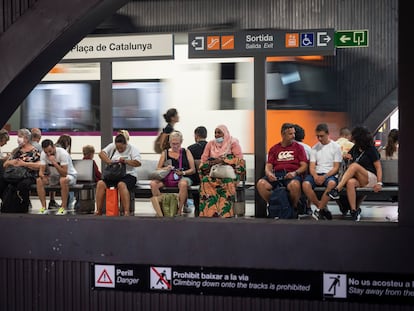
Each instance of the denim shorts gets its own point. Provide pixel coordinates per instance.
(282, 182)
(310, 179)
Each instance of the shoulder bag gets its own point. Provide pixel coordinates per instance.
(222, 171)
(172, 179)
(114, 171)
(14, 174)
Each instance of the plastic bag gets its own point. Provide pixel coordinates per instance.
(112, 208)
(169, 204)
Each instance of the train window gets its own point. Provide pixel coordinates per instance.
(54, 106)
(300, 85)
(136, 105)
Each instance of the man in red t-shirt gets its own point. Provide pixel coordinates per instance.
(286, 161)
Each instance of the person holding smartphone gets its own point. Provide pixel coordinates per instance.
(181, 162)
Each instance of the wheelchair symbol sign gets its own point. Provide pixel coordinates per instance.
(307, 39)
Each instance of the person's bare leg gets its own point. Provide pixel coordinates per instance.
(100, 195)
(325, 198)
(310, 194)
(125, 197)
(182, 195)
(354, 171)
(64, 191)
(351, 185)
(264, 188)
(294, 192)
(156, 185)
(156, 205)
(41, 193)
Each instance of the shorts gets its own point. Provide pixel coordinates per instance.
(189, 181)
(311, 180)
(372, 179)
(282, 182)
(72, 180)
(53, 180)
(128, 179)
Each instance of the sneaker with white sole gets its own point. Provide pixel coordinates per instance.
(356, 214)
(43, 211)
(318, 215)
(326, 213)
(334, 194)
(61, 212)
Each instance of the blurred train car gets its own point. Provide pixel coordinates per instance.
(205, 92)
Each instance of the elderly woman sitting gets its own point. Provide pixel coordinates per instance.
(217, 195)
(181, 163)
(27, 156)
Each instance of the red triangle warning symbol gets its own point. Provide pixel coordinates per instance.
(104, 278)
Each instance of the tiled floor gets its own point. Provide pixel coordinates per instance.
(371, 211)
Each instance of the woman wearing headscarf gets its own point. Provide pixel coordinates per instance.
(217, 195)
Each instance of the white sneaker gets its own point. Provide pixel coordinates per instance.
(43, 211)
(61, 212)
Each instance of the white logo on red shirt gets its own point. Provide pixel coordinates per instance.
(285, 156)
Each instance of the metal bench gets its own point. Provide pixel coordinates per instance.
(143, 189)
(84, 189)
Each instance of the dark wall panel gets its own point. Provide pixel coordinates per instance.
(366, 76)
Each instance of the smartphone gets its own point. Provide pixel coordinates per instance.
(211, 159)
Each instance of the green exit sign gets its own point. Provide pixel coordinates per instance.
(351, 38)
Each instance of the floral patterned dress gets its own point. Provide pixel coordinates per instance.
(217, 195)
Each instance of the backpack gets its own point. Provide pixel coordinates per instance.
(161, 142)
(169, 204)
(279, 204)
(12, 202)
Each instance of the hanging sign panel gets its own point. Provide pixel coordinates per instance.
(123, 47)
(270, 42)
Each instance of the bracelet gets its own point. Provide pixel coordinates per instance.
(183, 173)
(380, 183)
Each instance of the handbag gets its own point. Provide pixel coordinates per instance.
(159, 174)
(172, 179)
(114, 171)
(222, 171)
(14, 174)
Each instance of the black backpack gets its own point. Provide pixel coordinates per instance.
(279, 204)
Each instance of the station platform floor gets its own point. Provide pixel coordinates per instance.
(371, 211)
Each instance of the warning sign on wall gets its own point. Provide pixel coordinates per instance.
(311, 285)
